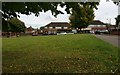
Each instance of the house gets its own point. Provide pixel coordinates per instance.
(35, 32)
(32, 31)
(115, 30)
(29, 30)
(96, 25)
(57, 27)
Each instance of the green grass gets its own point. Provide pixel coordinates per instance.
(79, 53)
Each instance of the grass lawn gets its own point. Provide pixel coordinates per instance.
(79, 53)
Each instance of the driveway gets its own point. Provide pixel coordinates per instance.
(112, 39)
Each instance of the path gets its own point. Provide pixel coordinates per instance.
(112, 39)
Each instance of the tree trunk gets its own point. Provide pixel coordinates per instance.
(80, 30)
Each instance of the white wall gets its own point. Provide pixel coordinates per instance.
(96, 26)
(65, 27)
(52, 32)
(50, 27)
(58, 27)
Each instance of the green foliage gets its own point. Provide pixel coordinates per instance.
(5, 26)
(42, 27)
(117, 20)
(83, 11)
(16, 25)
(13, 25)
(10, 9)
(82, 15)
(116, 2)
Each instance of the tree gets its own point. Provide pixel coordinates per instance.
(41, 28)
(116, 2)
(16, 25)
(12, 9)
(5, 26)
(117, 20)
(82, 16)
(13, 25)
(118, 17)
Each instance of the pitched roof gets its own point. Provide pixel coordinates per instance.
(97, 22)
(58, 24)
(29, 28)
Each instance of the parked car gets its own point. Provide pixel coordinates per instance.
(97, 32)
(104, 32)
(62, 33)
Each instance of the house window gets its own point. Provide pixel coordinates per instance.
(99, 25)
(65, 27)
(58, 27)
(50, 27)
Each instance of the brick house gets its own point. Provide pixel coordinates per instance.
(57, 27)
(29, 30)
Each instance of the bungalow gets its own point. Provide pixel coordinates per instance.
(96, 25)
(57, 27)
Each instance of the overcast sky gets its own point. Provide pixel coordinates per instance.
(105, 12)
